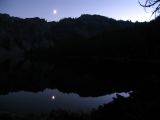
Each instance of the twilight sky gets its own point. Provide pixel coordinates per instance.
(117, 9)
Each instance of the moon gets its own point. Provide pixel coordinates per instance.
(54, 11)
(53, 97)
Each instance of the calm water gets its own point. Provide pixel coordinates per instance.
(48, 100)
(82, 79)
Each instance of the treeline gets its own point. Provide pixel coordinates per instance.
(89, 36)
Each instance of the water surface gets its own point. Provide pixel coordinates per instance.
(52, 99)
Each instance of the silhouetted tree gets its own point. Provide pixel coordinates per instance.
(152, 3)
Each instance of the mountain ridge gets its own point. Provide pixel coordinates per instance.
(77, 36)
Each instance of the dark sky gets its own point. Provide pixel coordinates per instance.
(118, 9)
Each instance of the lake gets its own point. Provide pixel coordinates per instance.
(52, 99)
(39, 87)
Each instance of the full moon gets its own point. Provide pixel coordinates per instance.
(54, 12)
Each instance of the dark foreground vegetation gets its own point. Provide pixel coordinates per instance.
(88, 55)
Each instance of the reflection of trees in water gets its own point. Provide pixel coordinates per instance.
(89, 80)
(82, 78)
(92, 79)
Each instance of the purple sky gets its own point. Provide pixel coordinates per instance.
(117, 9)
